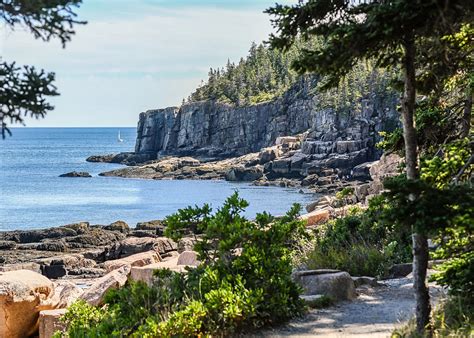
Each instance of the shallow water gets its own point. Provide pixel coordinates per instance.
(32, 195)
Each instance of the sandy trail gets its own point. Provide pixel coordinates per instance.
(375, 313)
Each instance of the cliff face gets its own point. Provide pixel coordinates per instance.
(210, 129)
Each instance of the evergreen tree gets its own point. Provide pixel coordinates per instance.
(393, 33)
(23, 90)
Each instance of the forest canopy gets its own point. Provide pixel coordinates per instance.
(266, 74)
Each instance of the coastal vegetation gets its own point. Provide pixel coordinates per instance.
(266, 74)
(410, 36)
(243, 282)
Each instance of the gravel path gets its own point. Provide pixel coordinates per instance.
(375, 313)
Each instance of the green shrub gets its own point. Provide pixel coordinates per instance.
(360, 243)
(358, 260)
(243, 283)
(82, 320)
(320, 302)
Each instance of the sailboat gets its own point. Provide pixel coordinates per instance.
(119, 139)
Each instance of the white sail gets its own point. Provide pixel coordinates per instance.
(119, 138)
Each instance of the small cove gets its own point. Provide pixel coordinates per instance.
(32, 195)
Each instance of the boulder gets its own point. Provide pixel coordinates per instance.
(58, 266)
(361, 191)
(94, 237)
(364, 280)
(243, 174)
(144, 233)
(7, 245)
(286, 140)
(76, 174)
(134, 245)
(146, 273)
(310, 180)
(23, 294)
(400, 270)
(268, 155)
(113, 280)
(156, 225)
(337, 285)
(21, 266)
(50, 322)
(387, 166)
(281, 167)
(120, 226)
(316, 217)
(65, 293)
(362, 171)
(140, 259)
(189, 258)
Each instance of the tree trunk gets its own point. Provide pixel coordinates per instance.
(467, 112)
(420, 241)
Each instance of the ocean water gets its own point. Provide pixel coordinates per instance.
(32, 195)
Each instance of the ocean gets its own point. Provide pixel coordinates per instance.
(32, 195)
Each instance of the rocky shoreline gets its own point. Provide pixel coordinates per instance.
(285, 164)
(92, 245)
(44, 271)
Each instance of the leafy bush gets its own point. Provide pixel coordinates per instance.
(361, 243)
(243, 283)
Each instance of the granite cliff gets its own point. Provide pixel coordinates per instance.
(295, 137)
(210, 129)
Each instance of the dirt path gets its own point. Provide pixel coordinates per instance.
(375, 313)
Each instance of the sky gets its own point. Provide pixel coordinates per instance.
(135, 55)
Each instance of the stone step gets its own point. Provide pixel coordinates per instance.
(50, 322)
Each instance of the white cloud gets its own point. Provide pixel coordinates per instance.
(116, 67)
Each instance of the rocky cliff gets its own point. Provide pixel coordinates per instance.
(215, 130)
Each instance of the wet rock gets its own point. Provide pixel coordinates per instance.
(57, 267)
(76, 174)
(156, 225)
(243, 174)
(122, 158)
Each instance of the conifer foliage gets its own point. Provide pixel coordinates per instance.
(24, 90)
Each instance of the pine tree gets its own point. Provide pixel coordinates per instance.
(23, 90)
(392, 32)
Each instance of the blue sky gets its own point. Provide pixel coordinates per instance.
(135, 55)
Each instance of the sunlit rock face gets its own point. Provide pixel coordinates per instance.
(217, 130)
